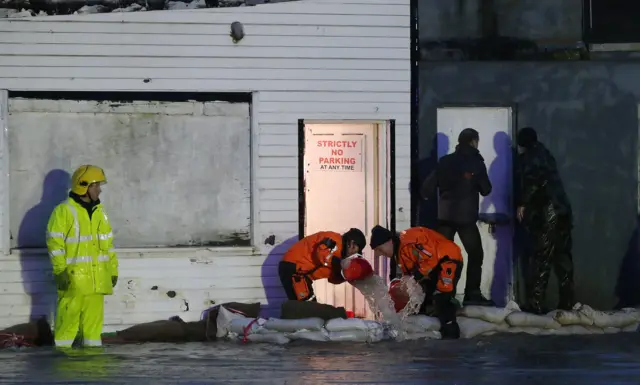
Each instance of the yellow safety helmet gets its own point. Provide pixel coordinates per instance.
(84, 176)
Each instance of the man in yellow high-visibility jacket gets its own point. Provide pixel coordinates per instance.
(85, 266)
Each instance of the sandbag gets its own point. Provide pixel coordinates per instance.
(426, 335)
(293, 325)
(340, 325)
(270, 338)
(526, 330)
(611, 330)
(494, 315)
(568, 330)
(303, 309)
(423, 323)
(616, 319)
(157, 331)
(320, 336)
(242, 326)
(250, 310)
(195, 331)
(471, 327)
(631, 328)
(349, 335)
(570, 317)
(223, 322)
(522, 319)
(37, 333)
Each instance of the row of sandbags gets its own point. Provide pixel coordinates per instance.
(232, 325)
(176, 330)
(582, 319)
(473, 321)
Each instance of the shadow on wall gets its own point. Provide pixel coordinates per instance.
(32, 235)
(275, 294)
(628, 288)
(500, 200)
(427, 212)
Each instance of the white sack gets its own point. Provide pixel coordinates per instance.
(321, 336)
(611, 330)
(471, 327)
(595, 329)
(524, 329)
(293, 325)
(522, 319)
(427, 335)
(349, 335)
(423, 323)
(224, 321)
(340, 325)
(615, 319)
(238, 325)
(569, 330)
(270, 338)
(487, 313)
(571, 317)
(631, 328)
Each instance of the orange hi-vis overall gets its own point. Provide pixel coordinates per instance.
(313, 261)
(425, 253)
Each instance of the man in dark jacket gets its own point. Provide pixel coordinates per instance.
(545, 212)
(460, 177)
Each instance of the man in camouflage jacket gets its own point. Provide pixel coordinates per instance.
(545, 212)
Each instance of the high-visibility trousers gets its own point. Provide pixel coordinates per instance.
(82, 314)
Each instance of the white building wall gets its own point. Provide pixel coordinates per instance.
(310, 59)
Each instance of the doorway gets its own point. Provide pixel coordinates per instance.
(495, 126)
(345, 182)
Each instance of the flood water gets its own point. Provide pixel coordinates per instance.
(496, 360)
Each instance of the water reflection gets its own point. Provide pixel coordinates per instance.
(496, 360)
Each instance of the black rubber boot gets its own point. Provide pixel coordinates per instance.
(475, 298)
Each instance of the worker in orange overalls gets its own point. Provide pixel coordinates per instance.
(317, 256)
(433, 260)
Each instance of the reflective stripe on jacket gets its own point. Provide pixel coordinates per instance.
(82, 247)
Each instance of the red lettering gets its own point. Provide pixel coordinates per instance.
(333, 160)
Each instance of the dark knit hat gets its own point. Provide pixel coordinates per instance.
(527, 137)
(468, 135)
(379, 236)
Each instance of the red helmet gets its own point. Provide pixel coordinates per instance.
(357, 268)
(399, 295)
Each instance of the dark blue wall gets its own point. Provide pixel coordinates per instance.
(587, 115)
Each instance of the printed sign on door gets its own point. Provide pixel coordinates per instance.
(339, 153)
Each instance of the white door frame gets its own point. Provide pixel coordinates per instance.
(5, 204)
(517, 279)
(385, 173)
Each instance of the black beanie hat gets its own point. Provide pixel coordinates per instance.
(527, 137)
(468, 135)
(379, 236)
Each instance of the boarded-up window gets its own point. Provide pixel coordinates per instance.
(178, 173)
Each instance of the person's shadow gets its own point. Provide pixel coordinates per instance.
(32, 235)
(274, 292)
(500, 171)
(427, 212)
(628, 286)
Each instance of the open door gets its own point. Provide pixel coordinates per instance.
(345, 185)
(495, 126)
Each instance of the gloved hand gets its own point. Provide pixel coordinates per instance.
(417, 275)
(62, 281)
(450, 331)
(114, 280)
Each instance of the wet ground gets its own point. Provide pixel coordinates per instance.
(495, 360)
